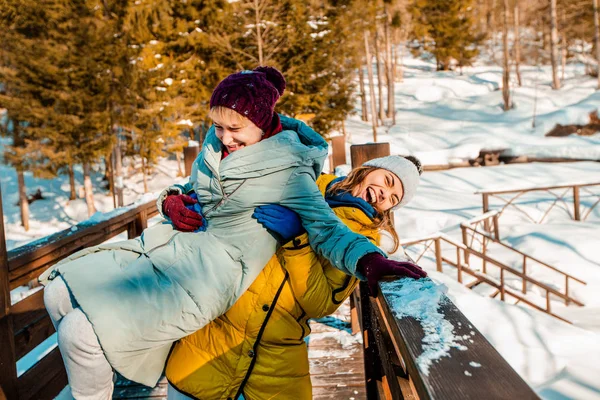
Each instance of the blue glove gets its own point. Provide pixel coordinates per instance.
(283, 222)
(197, 207)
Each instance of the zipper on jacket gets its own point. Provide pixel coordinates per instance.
(147, 254)
(259, 337)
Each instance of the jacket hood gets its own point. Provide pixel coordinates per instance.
(297, 145)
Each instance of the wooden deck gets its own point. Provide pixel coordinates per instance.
(336, 363)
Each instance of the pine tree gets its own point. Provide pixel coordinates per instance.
(446, 29)
(31, 65)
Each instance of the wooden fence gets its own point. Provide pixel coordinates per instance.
(25, 324)
(565, 189)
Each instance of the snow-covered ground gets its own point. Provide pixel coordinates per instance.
(447, 118)
(56, 212)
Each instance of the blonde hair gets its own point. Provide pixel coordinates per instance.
(383, 220)
(224, 113)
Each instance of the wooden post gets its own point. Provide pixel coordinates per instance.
(458, 265)
(496, 227)
(524, 290)
(484, 261)
(354, 323)
(567, 290)
(8, 362)
(338, 151)
(486, 208)
(438, 254)
(576, 207)
(189, 156)
(465, 242)
(361, 153)
(548, 302)
(502, 284)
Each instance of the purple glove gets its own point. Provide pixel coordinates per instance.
(374, 266)
(183, 219)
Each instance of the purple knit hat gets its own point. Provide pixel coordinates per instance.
(252, 94)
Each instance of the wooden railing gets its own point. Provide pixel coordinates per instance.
(392, 346)
(471, 233)
(565, 189)
(25, 324)
(462, 263)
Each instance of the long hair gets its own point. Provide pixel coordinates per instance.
(382, 220)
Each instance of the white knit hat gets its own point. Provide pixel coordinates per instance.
(405, 170)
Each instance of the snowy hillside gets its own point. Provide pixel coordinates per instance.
(447, 118)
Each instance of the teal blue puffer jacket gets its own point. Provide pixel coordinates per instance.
(141, 295)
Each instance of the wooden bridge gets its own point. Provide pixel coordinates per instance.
(388, 353)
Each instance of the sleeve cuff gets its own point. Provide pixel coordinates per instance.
(175, 189)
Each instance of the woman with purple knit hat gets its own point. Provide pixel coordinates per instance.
(121, 306)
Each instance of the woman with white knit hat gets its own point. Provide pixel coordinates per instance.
(270, 320)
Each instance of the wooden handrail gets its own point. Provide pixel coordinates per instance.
(393, 345)
(467, 226)
(501, 286)
(532, 189)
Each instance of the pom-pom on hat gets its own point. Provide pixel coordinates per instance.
(407, 169)
(252, 94)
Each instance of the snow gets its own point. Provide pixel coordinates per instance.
(446, 118)
(421, 299)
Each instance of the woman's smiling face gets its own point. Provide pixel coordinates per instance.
(381, 189)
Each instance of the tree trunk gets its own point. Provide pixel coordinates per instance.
(23, 203)
(388, 63)
(395, 59)
(258, 33)
(505, 64)
(379, 76)
(554, 45)
(491, 18)
(364, 113)
(144, 178)
(118, 173)
(88, 190)
(597, 30)
(371, 86)
(563, 57)
(73, 193)
(517, 44)
(179, 156)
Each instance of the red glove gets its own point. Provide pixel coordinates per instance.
(183, 219)
(374, 266)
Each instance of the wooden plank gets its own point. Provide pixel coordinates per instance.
(494, 379)
(53, 388)
(39, 377)
(8, 362)
(32, 335)
(8, 366)
(91, 236)
(33, 251)
(28, 310)
(361, 153)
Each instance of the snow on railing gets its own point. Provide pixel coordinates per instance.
(419, 345)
